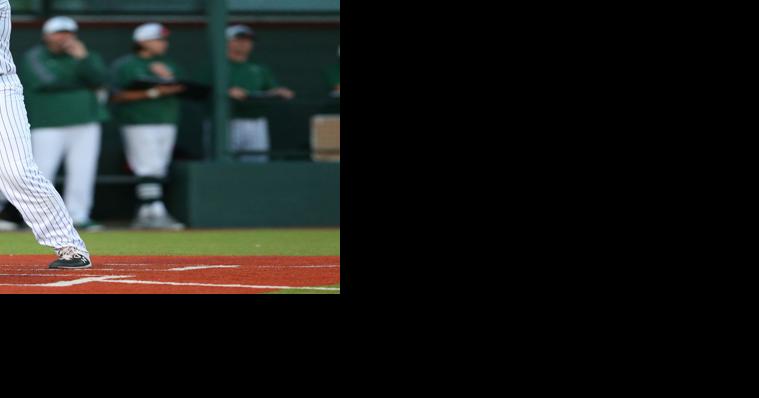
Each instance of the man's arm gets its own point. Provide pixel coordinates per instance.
(37, 77)
(92, 70)
(122, 96)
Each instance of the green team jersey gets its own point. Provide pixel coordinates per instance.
(59, 90)
(251, 77)
(130, 69)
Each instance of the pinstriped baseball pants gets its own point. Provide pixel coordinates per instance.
(21, 182)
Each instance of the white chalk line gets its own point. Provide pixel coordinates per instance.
(119, 279)
(198, 267)
(115, 278)
(75, 282)
(179, 269)
(52, 274)
(216, 285)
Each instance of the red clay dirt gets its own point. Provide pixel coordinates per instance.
(168, 275)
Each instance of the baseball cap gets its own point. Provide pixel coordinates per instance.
(240, 31)
(150, 31)
(60, 24)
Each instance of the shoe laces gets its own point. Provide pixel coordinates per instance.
(69, 253)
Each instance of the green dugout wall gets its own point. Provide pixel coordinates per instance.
(299, 54)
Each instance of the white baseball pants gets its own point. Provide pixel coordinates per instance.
(80, 146)
(250, 135)
(21, 181)
(149, 148)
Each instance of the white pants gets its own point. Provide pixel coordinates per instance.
(250, 135)
(22, 182)
(80, 145)
(149, 148)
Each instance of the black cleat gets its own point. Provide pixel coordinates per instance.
(71, 258)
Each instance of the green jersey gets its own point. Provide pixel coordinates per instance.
(131, 69)
(251, 77)
(59, 89)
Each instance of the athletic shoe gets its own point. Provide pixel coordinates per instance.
(164, 222)
(71, 258)
(7, 226)
(89, 226)
(168, 222)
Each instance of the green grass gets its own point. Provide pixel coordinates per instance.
(305, 291)
(254, 242)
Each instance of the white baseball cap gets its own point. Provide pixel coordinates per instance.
(60, 24)
(150, 31)
(240, 30)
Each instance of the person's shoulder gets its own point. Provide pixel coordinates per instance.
(35, 51)
(123, 61)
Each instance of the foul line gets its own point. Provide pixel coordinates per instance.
(217, 285)
(196, 267)
(70, 283)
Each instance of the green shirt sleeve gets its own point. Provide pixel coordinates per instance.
(92, 70)
(268, 80)
(38, 77)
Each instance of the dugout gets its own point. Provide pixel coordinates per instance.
(298, 39)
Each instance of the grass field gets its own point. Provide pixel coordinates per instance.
(203, 253)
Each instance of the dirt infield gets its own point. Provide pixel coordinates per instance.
(170, 275)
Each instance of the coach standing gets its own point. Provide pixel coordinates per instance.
(148, 119)
(62, 79)
(249, 127)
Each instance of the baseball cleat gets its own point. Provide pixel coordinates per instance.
(162, 223)
(71, 258)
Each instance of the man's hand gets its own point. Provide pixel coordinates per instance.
(76, 49)
(238, 93)
(161, 70)
(282, 92)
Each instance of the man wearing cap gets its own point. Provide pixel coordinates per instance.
(62, 82)
(148, 119)
(249, 128)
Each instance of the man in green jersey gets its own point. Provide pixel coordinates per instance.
(146, 86)
(248, 126)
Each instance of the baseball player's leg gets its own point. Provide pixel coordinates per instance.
(148, 150)
(48, 147)
(250, 135)
(166, 139)
(27, 189)
(82, 154)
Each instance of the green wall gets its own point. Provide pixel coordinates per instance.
(283, 194)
